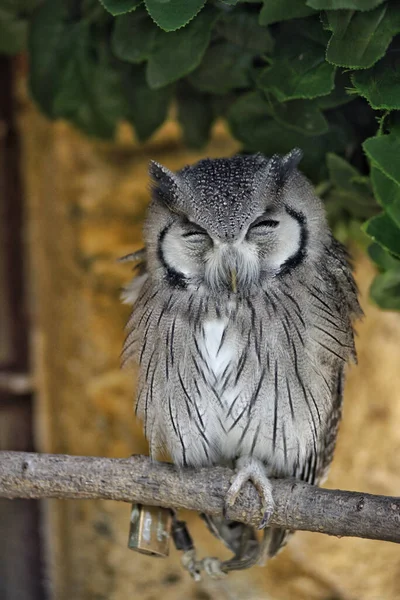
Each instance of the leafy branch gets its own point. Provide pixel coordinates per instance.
(322, 75)
(299, 506)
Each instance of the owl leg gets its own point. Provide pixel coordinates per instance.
(252, 469)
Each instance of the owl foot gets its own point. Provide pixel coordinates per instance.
(252, 469)
(213, 567)
(191, 564)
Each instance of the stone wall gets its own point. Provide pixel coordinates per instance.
(85, 208)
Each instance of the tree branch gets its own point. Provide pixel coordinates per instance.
(138, 479)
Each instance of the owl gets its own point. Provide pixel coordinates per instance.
(242, 325)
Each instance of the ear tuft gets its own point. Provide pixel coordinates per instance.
(279, 168)
(290, 162)
(165, 183)
(161, 174)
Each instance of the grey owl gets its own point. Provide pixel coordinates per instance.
(241, 328)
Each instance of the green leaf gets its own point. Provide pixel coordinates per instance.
(195, 114)
(72, 74)
(178, 53)
(384, 153)
(380, 85)
(242, 29)
(360, 39)
(13, 32)
(148, 108)
(341, 173)
(387, 193)
(339, 95)
(310, 28)
(301, 115)
(382, 258)
(14, 24)
(20, 7)
(104, 102)
(120, 7)
(173, 14)
(133, 37)
(298, 70)
(384, 231)
(251, 122)
(224, 67)
(352, 193)
(344, 4)
(274, 11)
(385, 290)
(53, 44)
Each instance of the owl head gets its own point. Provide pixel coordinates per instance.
(229, 224)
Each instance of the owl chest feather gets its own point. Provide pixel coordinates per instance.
(219, 383)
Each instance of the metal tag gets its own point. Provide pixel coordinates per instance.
(150, 530)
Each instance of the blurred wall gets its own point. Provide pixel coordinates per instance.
(86, 204)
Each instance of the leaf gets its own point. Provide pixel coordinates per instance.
(301, 115)
(380, 85)
(385, 290)
(14, 24)
(224, 67)
(352, 192)
(344, 4)
(242, 29)
(341, 173)
(20, 7)
(104, 102)
(178, 53)
(250, 121)
(195, 115)
(274, 11)
(298, 70)
(53, 44)
(387, 193)
(72, 74)
(384, 152)
(120, 7)
(148, 108)
(339, 95)
(133, 36)
(384, 231)
(173, 14)
(382, 258)
(360, 39)
(13, 32)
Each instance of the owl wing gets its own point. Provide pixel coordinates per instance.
(315, 468)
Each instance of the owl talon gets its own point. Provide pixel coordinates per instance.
(213, 567)
(266, 519)
(251, 469)
(191, 564)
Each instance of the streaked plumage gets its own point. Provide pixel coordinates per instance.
(243, 323)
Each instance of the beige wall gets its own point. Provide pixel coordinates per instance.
(85, 207)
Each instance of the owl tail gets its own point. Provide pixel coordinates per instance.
(242, 541)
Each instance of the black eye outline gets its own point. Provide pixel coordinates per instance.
(191, 234)
(195, 231)
(270, 223)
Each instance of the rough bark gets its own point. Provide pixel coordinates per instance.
(299, 506)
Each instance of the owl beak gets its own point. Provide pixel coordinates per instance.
(234, 280)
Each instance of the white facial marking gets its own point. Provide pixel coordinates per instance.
(288, 242)
(176, 254)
